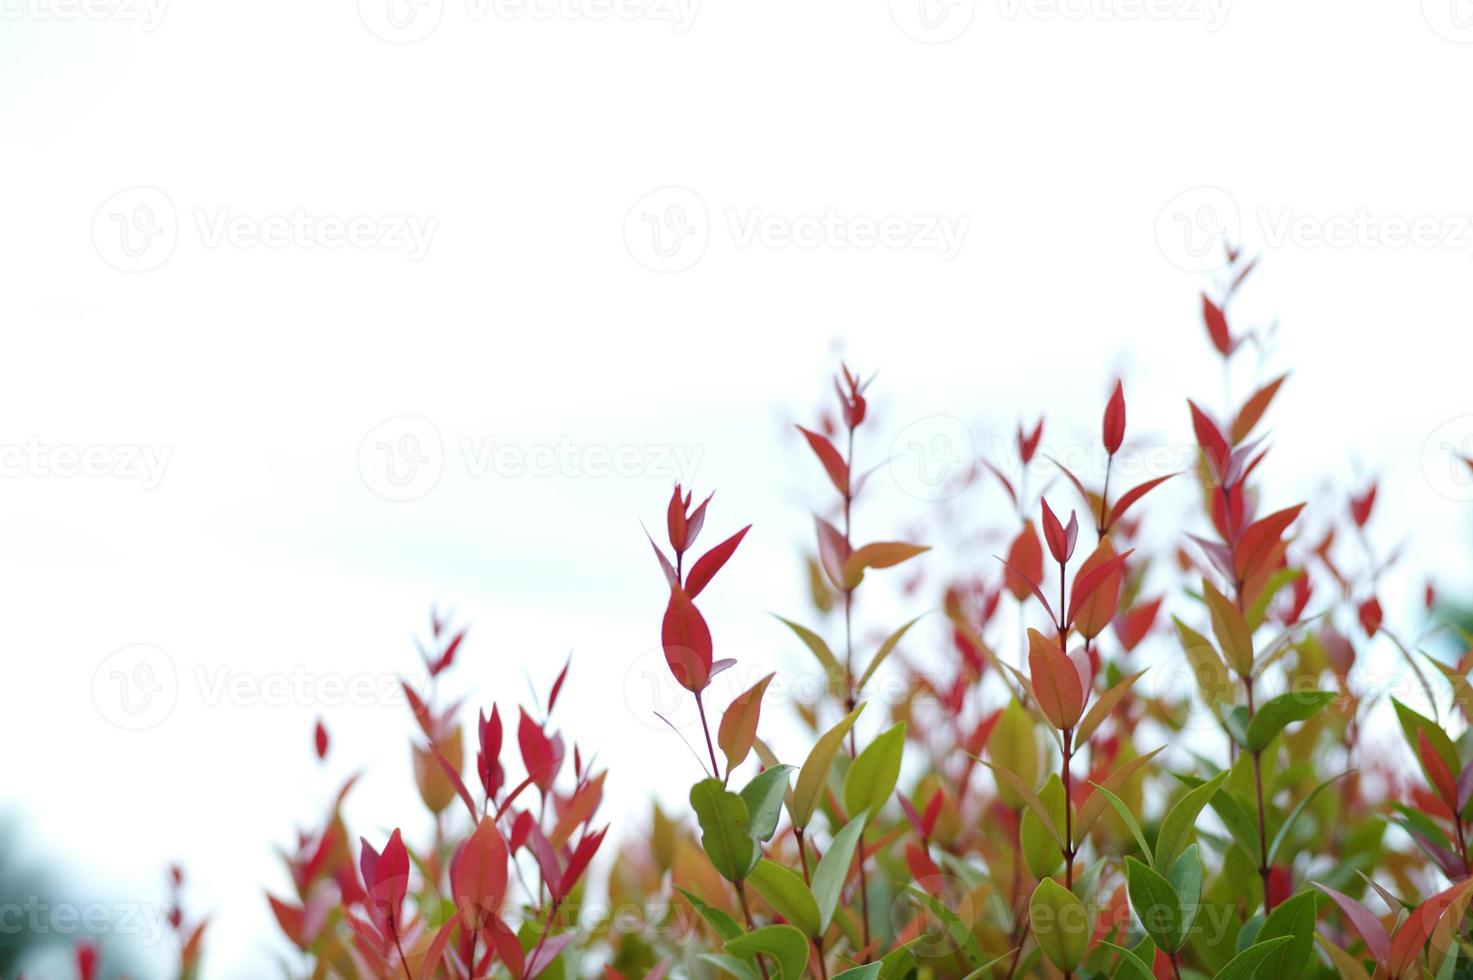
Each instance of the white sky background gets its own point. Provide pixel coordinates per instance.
(1057, 138)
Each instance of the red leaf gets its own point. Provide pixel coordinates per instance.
(1378, 943)
(540, 754)
(1131, 496)
(675, 520)
(1055, 682)
(1259, 539)
(1060, 539)
(687, 642)
(557, 685)
(1086, 582)
(1132, 626)
(1113, 428)
(478, 874)
(833, 551)
(1360, 507)
(711, 562)
(1254, 408)
(1214, 447)
(1370, 615)
(1217, 327)
(833, 463)
(319, 739)
(582, 854)
(1028, 442)
(1097, 611)
(665, 566)
(1025, 563)
(1437, 771)
(923, 869)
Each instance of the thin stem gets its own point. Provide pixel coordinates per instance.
(849, 672)
(1105, 497)
(802, 855)
(1068, 777)
(741, 891)
(403, 960)
(1263, 868)
(706, 729)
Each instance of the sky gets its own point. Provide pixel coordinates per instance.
(320, 314)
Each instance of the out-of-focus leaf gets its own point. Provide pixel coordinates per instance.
(815, 772)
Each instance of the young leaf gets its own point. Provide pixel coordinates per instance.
(815, 772)
(738, 728)
(1245, 965)
(1060, 923)
(833, 868)
(833, 463)
(881, 554)
(872, 776)
(1231, 630)
(1283, 710)
(725, 829)
(1365, 922)
(687, 642)
(785, 944)
(764, 798)
(710, 563)
(1102, 707)
(819, 648)
(783, 889)
(1176, 826)
(1155, 903)
(1055, 681)
(886, 648)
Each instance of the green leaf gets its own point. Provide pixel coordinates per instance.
(1283, 831)
(815, 772)
(870, 971)
(1155, 903)
(785, 944)
(1008, 778)
(1130, 965)
(986, 968)
(833, 868)
(1061, 924)
(1231, 630)
(737, 968)
(884, 651)
(1133, 825)
(784, 890)
(1103, 705)
(1040, 848)
(1213, 680)
(820, 649)
(764, 799)
(724, 924)
(1186, 880)
(725, 830)
(1283, 710)
(1177, 825)
(872, 777)
(1411, 722)
(1293, 919)
(1245, 965)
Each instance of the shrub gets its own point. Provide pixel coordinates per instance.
(1047, 804)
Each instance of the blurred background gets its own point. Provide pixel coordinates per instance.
(320, 315)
